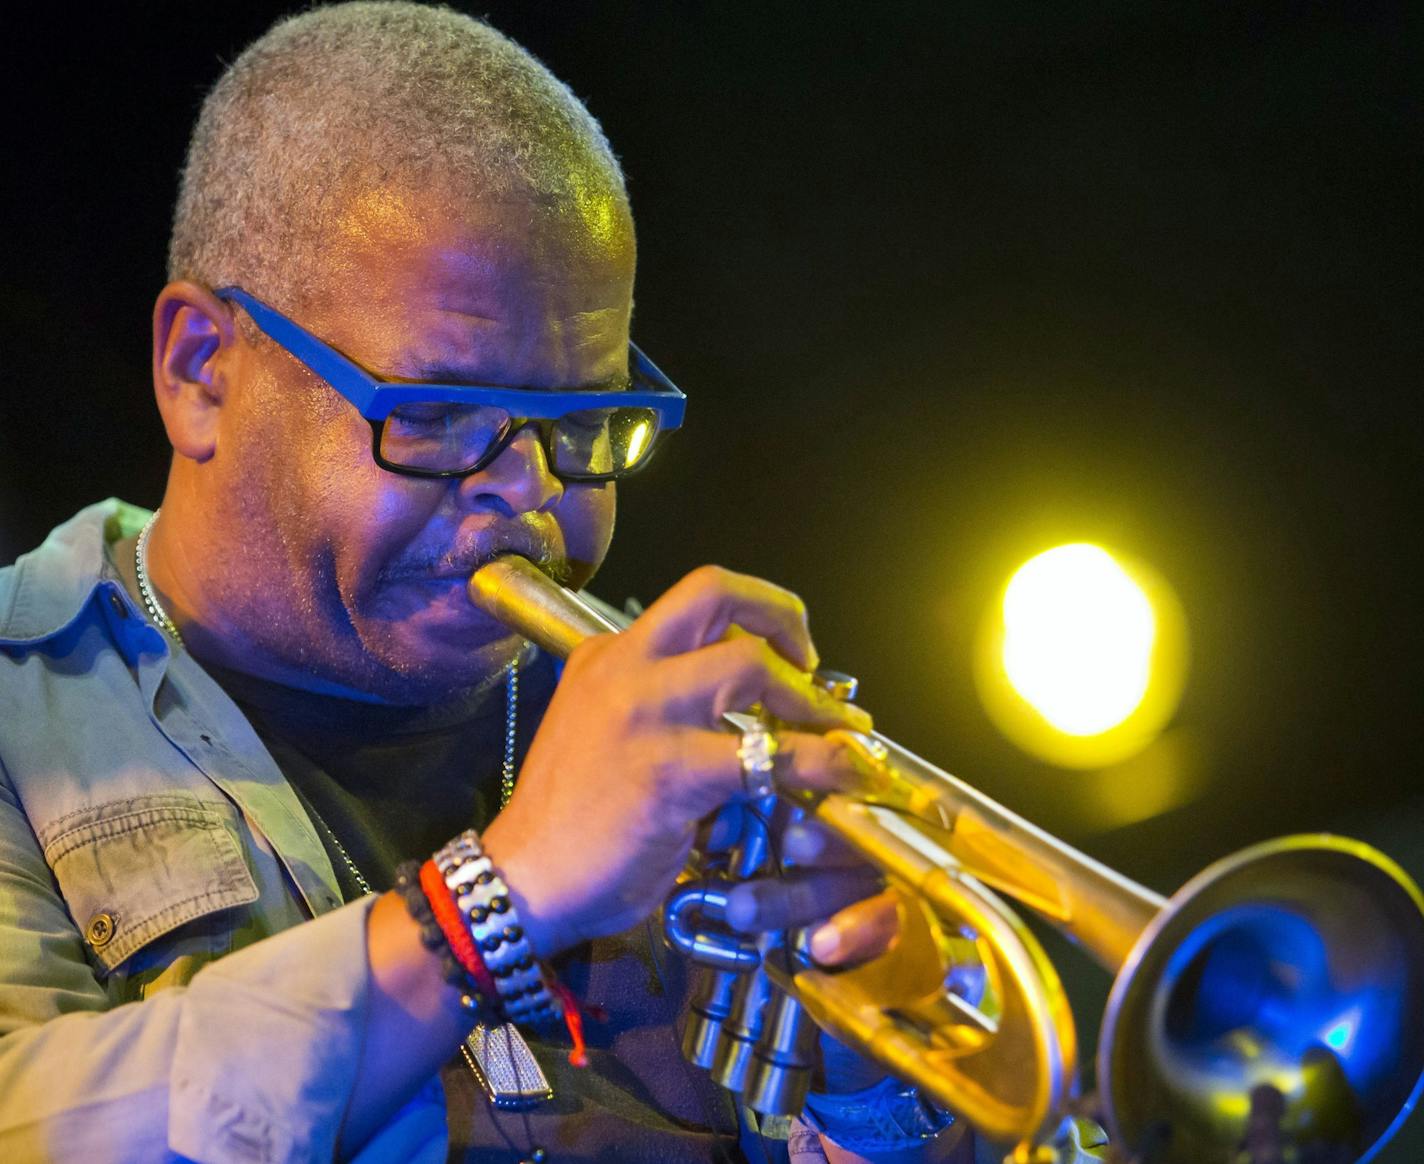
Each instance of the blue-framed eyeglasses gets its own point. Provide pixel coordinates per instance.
(453, 430)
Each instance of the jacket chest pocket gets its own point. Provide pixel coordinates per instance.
(133, 871)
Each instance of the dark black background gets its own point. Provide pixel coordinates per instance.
(946, 284)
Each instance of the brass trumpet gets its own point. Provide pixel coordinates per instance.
(1293, 969)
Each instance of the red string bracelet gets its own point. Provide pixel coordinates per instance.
(573, 1019)
(452, 925)
(462, 944)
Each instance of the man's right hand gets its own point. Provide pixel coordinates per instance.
(632, 752)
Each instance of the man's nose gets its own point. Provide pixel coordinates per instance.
(518, 480)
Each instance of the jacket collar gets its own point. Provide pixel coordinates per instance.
(48, 588)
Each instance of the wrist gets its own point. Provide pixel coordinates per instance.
(403, 965)
(529, 890)
(459, 991)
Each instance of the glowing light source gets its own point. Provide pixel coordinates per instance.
(1078, 636)
(1082, 659)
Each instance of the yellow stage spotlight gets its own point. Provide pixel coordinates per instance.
(1082, 658)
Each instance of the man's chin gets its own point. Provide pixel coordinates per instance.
(443, 645)
(425, 676)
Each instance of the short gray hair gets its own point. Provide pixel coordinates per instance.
(371, 95)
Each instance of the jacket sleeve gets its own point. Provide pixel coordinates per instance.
(253, 1061)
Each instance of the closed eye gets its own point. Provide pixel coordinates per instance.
(427, 413)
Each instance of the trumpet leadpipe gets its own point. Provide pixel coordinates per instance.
(942, 819)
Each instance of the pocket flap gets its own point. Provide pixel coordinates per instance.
(132, 870)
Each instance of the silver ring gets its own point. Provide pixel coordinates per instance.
(757, 755)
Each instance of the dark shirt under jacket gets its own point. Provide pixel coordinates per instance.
(395, 783)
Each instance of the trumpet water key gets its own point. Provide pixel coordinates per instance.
(1278, 994)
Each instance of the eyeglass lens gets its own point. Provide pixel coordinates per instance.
(449, 438)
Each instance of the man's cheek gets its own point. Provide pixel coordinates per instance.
(588, 529)
(399, 507)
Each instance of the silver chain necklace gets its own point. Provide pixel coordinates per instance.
(504, 1067)
(507, 771)
(145, 588)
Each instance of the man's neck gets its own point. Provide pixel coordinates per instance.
(122, 552)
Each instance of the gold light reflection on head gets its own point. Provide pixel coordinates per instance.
(600, 209)
(1081, 661)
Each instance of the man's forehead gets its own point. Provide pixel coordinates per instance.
(419, 282)
(472, 252)
(584, 222)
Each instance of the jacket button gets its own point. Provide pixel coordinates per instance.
(101, 930)
(118, 604)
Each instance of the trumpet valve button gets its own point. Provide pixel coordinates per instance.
(837, 684)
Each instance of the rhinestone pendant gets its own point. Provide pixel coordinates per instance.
(506, 1068)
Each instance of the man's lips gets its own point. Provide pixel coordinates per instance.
(541, 547)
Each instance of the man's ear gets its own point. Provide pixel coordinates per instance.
(192, 331)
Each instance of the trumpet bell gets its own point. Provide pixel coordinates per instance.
(1278, 995)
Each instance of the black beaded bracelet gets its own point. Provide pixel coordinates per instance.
(432, 937)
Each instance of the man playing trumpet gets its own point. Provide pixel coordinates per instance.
(394, 346)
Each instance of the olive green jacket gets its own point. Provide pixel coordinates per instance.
(146, 833)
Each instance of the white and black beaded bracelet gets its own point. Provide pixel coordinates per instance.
(493, 921)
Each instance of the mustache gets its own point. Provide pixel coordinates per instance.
(462, 559)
